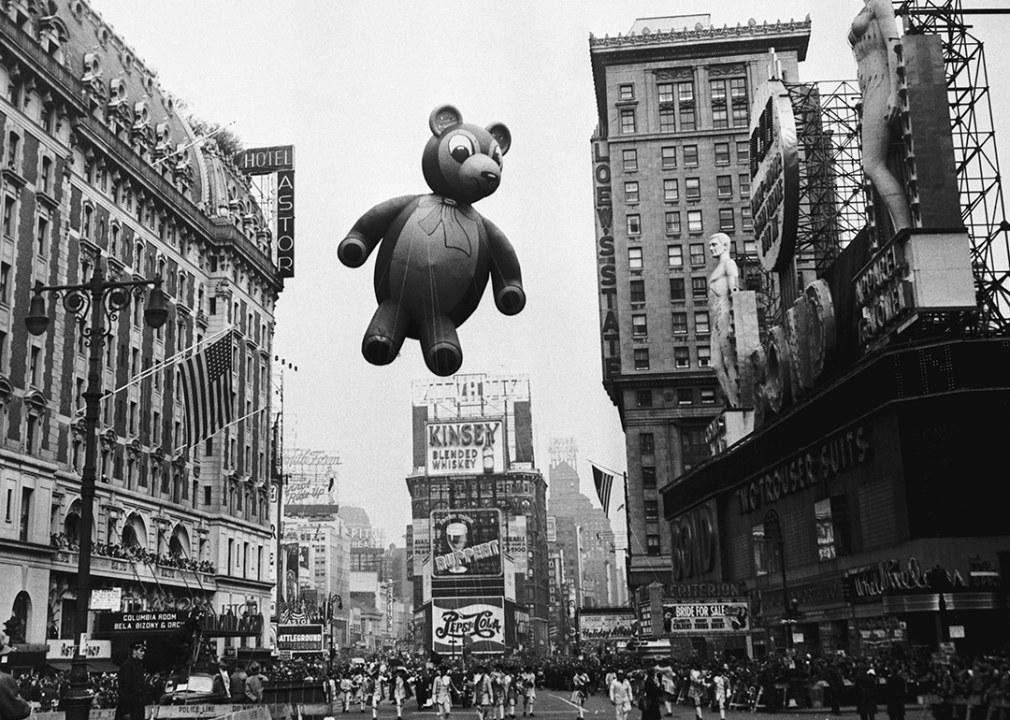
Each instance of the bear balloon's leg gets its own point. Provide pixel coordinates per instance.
(440, 344)
(385, 334)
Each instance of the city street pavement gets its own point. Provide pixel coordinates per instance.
(555, 705)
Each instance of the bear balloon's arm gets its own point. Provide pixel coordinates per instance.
(506, 277)
(368, 231)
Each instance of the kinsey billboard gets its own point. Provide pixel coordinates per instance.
(466, 543)
(465, 447)
(474, 623)
(615, 624)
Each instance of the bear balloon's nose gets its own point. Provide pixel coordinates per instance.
(490, 177)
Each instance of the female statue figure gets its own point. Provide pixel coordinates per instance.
(873, 38)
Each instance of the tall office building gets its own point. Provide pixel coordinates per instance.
(671, 167)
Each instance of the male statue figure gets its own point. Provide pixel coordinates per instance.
(722, 283)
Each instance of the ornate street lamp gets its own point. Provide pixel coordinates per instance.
(103, 300)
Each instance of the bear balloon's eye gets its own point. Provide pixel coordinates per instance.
(460, 147)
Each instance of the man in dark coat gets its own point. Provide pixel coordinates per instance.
(132, 685)
(866, 694)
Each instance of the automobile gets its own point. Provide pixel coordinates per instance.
(195, 688)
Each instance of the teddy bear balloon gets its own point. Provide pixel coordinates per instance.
(437, 252)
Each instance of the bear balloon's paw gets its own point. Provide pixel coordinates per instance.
(444, 359)
(511, 299)
(352, 251)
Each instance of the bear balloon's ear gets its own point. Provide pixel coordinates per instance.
(442, 118)
(500, 133)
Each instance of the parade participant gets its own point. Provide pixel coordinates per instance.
(254, 684)
(498, 692)
(236, 683)
(722, 689)
(483, 693)
(651, 693)
(530, 690)
(12, 705)
(697, 691)
(866, 694)
(580, 683)
(664, 672)
(368, 694)
(132, 685)
(620, 696)
(400, 690)
(331, 687)
(442, 689)
(509, 690)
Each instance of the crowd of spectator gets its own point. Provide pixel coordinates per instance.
(134, 553)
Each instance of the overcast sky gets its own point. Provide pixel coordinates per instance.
(351, 85)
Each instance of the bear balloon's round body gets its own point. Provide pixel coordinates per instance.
(437, 252)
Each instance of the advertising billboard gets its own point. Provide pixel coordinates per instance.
(474, 623)
(464, 447)
(613, 624)
(421, 550)
(466, 543)
(695, 618)
(300, 638)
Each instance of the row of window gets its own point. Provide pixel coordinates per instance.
(678, 109)
(702, 326)
(682, 361)
(689, 155)
(692, 189)
(695, 221)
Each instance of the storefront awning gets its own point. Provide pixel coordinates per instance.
(95, 666)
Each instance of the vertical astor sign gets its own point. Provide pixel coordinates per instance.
(286, 223)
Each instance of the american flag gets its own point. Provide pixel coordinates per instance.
(604, 481)
(206, 390)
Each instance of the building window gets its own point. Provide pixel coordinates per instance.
(724, 186)
(750, 247)
(681, 358)
(694, 222)
(9, 216)
(652, 511)
(685, 396)
(34, 366)
(665, 92)
(743, 152)
(41, 235)
(626, 92)
(707, 394)
(685, 106)
(634, 224)
(647, 443)
(693, 446)
(671, 191)
(46, 176)
(675, 256)
(704, 356)
(652, 545)
(638, 291)
(722, 153)
(641, 358)
(5, 283)
(741, 104)
(667, 119)
(680, 323)
(627, 121)
(639, 325)
(668, 154)
(699, 288)
(26, 514)
(727, 219)
(13, 148)
(635, 258)
(648, 477)
(691, 156)
(697, 254)
(720, 108)
(673, 223)
(643, 398)
(631, 192)
(89, 219)
(720, 117)
(677, 289)
(744, 181)
(701, 324)
(692, 188)
(630, 160)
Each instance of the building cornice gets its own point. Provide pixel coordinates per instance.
(705, 35)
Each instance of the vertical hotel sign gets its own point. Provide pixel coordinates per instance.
(610, 333)
(279, 160)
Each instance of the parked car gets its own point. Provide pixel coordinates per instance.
(195, 688)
